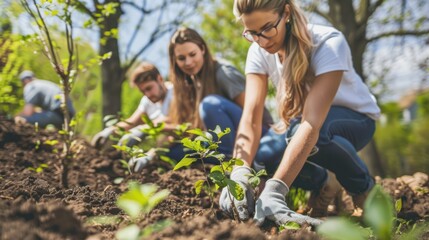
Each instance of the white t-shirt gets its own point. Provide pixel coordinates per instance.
(158, 109)
(330, 53)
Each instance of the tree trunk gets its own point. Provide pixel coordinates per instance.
(344, 17)
(111, 70)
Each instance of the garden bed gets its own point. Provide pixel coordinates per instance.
(34, 205)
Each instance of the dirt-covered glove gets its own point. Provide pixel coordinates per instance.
(138, 163)
(132, 138)
(246, 206)
(101, 138)
(271, 205)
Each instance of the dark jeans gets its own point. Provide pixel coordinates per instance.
(342, 135)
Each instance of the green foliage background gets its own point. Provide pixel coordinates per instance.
(86, 91)
(403, 147)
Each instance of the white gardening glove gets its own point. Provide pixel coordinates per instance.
(138, 163)
(271, 205)
(101, 138)
(132, 138)
(246, 206)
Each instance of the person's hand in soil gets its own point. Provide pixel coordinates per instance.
(244, 207)
(101, 138)
(272, 205)
(138, 163)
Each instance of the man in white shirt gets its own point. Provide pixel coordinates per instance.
(154, 104)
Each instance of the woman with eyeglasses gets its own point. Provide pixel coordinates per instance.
(323, 104)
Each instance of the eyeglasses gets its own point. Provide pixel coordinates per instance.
(267, 33)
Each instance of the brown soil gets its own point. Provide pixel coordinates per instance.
(35, 206)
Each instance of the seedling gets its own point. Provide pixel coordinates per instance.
(255, 177)
(205, 147)
(152, 132)
(137, 202)
(378, 216)
(64, 66)
(39, 169)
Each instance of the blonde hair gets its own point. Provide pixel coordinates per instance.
(144, 72)
(297, 75)
(188, 93)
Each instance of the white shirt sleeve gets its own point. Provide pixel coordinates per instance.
(255, 62)
(144, 104)
(330, 54)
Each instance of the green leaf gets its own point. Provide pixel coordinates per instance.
(131, 232)
(398, 205)
(228, 165)
(202, 139)
(185, 162)
(156, 227)
(87, 23)
(51, 142)
(43, 165)
(216, 168)
(261, 173)
(221, 133)
(379, 215)
(218, 178)
(290, 226)
(340, 229)
(167, 160)
(198, 186)
(235, 189)
(148, 121)
(131, 207)
(201, 133)
(254, 181)
(122, 148)
(157, 198)
(188, 143)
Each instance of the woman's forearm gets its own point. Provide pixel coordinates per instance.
(247, 141)
(297, 153)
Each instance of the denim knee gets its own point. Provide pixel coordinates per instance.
(270, 151)
(312, 177)
(209, 102)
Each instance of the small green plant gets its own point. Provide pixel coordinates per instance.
(152, 134)
(255, 177)
(204, 147)
(39, 169)
(137, 203)
(378, 216)
(296, 198)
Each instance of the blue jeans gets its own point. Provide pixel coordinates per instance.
(45, 118)
(342, 135)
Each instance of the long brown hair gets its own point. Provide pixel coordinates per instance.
(188, 92)
(297, 74)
